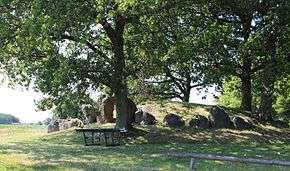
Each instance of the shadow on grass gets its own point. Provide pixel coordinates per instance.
(144, 150)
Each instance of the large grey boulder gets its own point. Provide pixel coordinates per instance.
(173, 120)
(218, 118)
(53, 126)
(63, 124)
(199, 121)
(144, 117)
(242, 123)
(138, 116)
(148, 119)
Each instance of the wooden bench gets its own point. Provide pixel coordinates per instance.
(195, 156)
(110, 136)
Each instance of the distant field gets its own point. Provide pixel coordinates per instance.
(24, 147)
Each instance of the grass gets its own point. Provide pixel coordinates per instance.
(25, 147)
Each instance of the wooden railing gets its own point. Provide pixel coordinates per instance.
(195, 156)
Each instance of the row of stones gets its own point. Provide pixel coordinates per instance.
(218, 118)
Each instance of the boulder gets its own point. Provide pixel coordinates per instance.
(148, 119)
(89, 113)
(138, 116)
(63, 124)
(218, 118)
(199, 121)
(131, 109)
(75, 122)
(242, 123)
(53, 126)
(173, 120)
(108, 109)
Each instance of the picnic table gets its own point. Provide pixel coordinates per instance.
(97, 136)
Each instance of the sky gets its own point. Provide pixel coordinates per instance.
(19, 102)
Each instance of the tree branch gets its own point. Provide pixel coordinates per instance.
(197, 85)
(88, 44)
(175, 80)
(109, 29)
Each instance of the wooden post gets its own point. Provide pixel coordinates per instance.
(192, 165)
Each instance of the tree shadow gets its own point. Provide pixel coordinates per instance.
(144, 148)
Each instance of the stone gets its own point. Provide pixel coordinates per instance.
(199, 121)
(108, 109)
(138, 116)
(89, 113)
(148, 119)
(242, 123)
(75, 122)
(53, 126)
(63, 124)
(173, 120)
(218, 118)
(131, 109)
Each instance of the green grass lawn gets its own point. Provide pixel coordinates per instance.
(30, 148)
(25, 147)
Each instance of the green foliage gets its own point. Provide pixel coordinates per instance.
(8, 119)
(67, 105)
(282, 94)
(231, 95)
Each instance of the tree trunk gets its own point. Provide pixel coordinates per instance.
(120, 87)
(267, 91)
(187, 86)
(246, 80)
(119, 79)
(268, 81)
(266, 108)
(186, 96)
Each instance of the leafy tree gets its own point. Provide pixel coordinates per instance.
(70, 45)
(174, 66)
(282, 94)
(8, 119)
(230, 95)
(231, 41)
(67, 105)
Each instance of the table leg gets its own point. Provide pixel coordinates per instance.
(85, 138)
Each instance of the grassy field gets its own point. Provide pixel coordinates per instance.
(24, 147)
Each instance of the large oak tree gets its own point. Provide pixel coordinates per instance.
(73, 46)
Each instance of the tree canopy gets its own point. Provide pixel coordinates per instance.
(67, 49)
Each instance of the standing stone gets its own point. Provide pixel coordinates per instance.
(199, 121)
(132, 108)
(138, 116)
(173, 120)
(241, 123)
(108, 109)
(219, 118)
(148, 119)
(53, 126)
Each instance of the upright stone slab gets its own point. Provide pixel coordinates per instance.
(219, 118)
(108, 109)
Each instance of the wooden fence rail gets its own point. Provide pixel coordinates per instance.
(195, 156)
